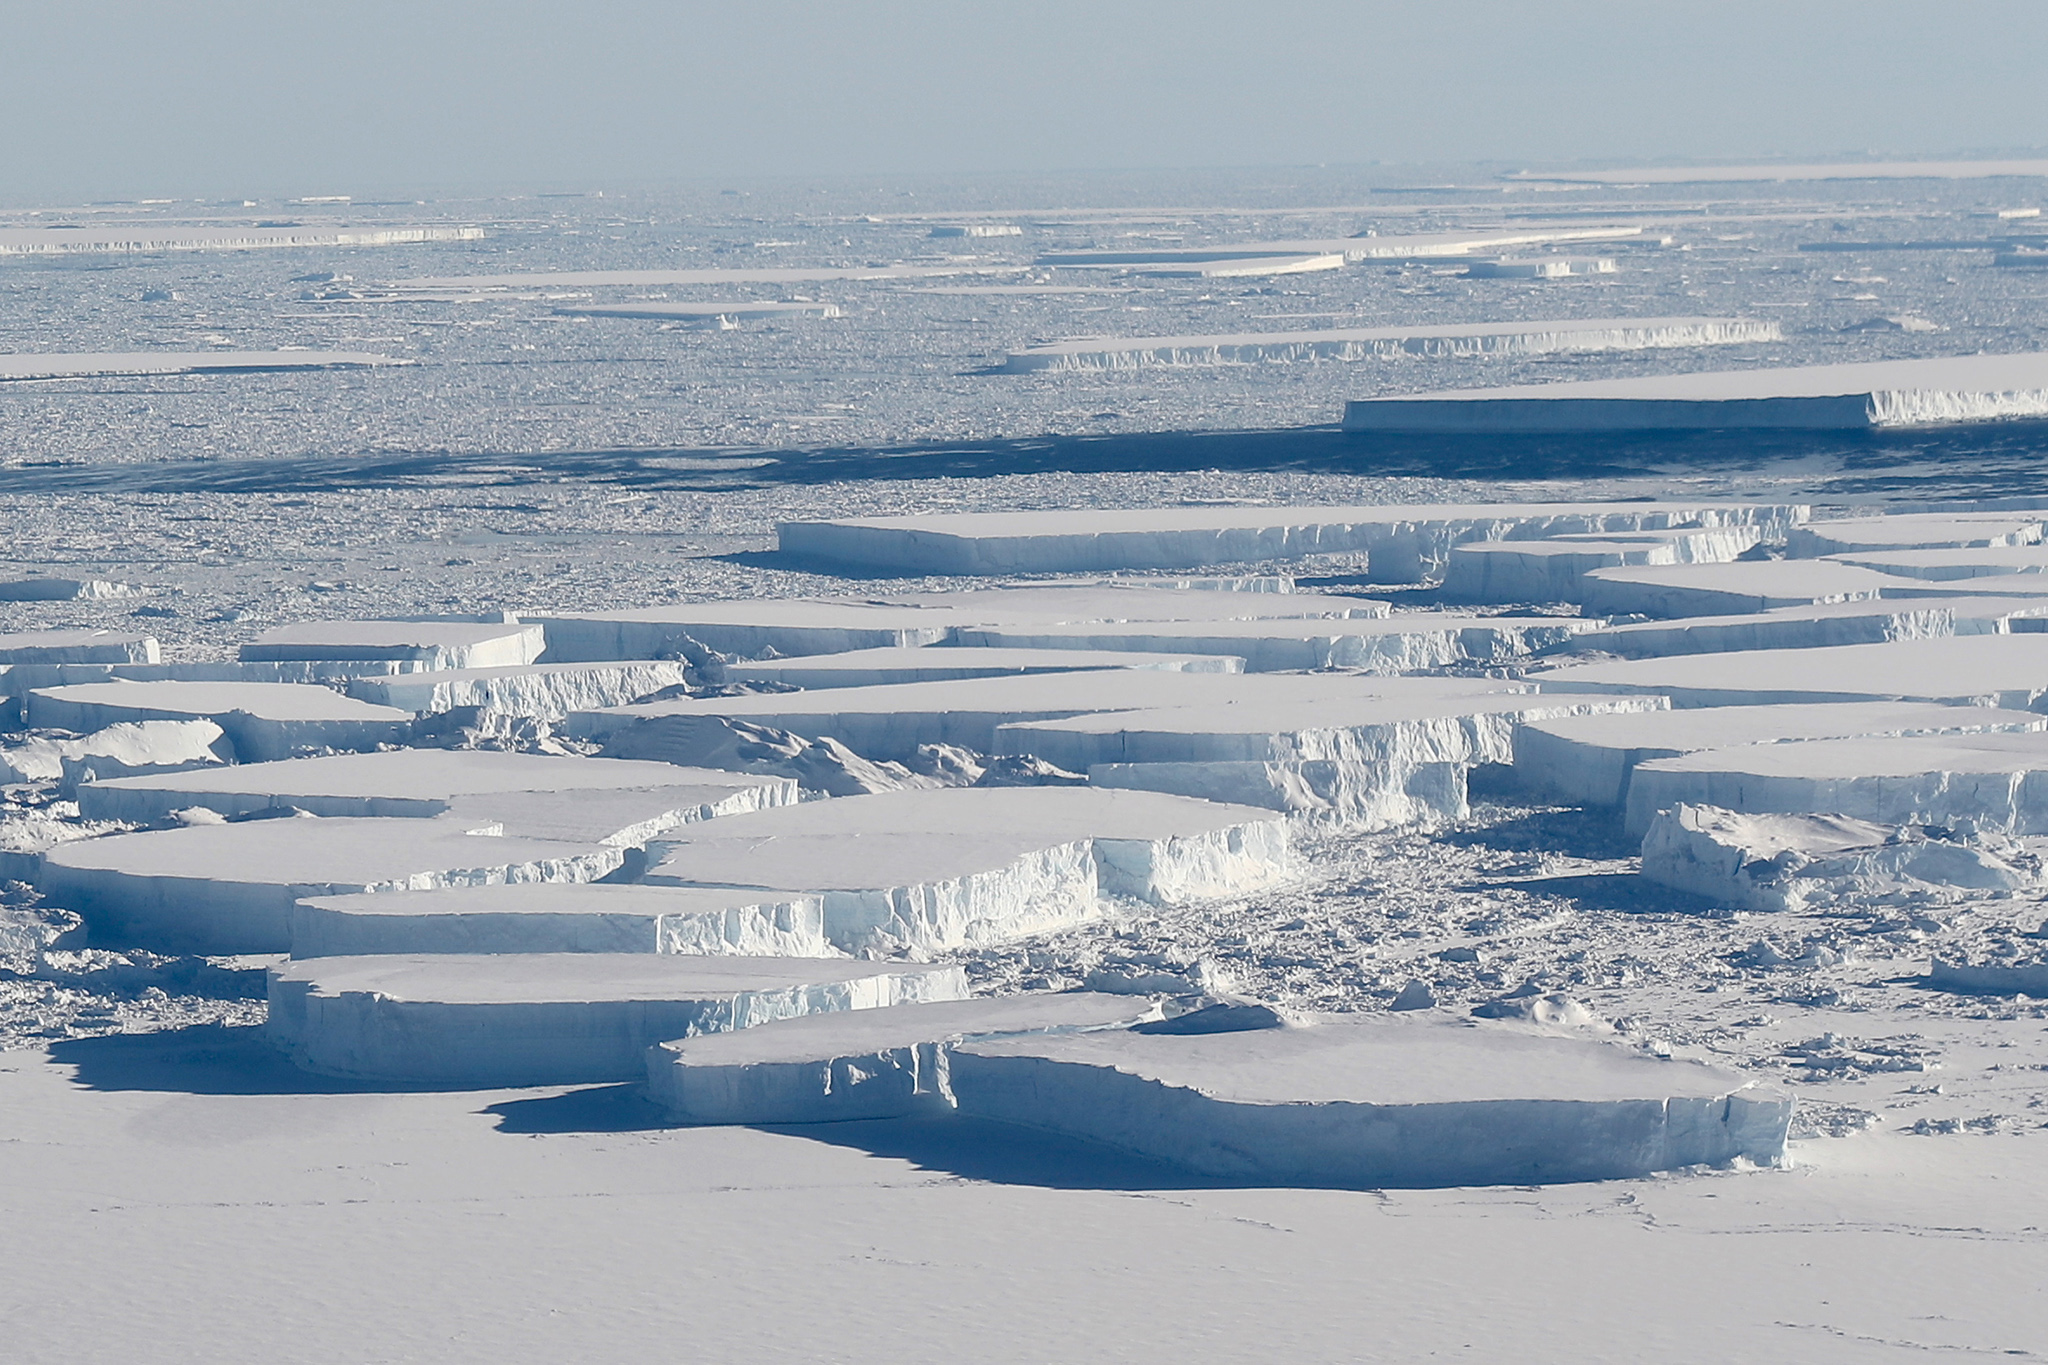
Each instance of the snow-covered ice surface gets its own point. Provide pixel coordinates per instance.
(153, 1140)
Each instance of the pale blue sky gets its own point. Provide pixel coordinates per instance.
(180, 97)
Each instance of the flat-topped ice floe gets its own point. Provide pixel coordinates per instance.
(77, 647)
(1862, 622)
(562, 917)
(130, 238)
(94, 364)
(1968, 670)
(1885, 393)
(1397, 644)
(1951, 564)
(1368, 762)
(1998, 780)
(229, 888)
(424, 644)
(943, 869)
(839, 625)
(1363, 343)
(863, 1064)
(1588, 760)
(598, 800)
(1415, 246)
(555, 1018)
(728, 310)
(543, 691)
(1721, 589)
(892, 721)
(1555, 570)
(1376, 1102)
(1404, 544)
(265, 720)
(1779, 864)
(1913, 531)
(943, 663)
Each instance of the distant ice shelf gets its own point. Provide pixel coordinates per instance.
(1367, 343)
(1847, 170)
(659, 279)
(1886, 393)
(89, 364)
(134, 238)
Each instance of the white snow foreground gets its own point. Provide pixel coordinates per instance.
(229, 888)
(1589, 760)
(555, 1018)
(595, 800)
(562, 917)
(867, 1064)
(1995, 781)
(1366, 343)
(1376, 1102)
(945, 663)
(424, 644)
(1887, 393)
(542, 691)
(1554, 570)
(1367, 762)
(1403, 544)
(934, 870)
(1789, 863)
(1861, 622)
(265, 720)
(2009, 671)
(137, 748)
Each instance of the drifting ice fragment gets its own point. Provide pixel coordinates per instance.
(555, 1018)
(229, 888)
(1722, 589)
(2009, 671)
(265, 720)
(1375, 1103)
(866, 1064)
(1786, 863)
(561, 917)
(542, 691)
(425, 644)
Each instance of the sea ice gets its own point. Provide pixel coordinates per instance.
(1376, 1102)
(536, 795)
(63, 589)
(1998, 781)
(151, 237)
(1397, 644)
(1404, 544)
(866, 1064)
(1555, 570)
(1588, 760)
(561, 917)
(1886, 393)
(941, 663)
(1913, 531)
(2009, 671)
(426, 644)
(934, 870)
(543, 691)
(726, 311)
(77, 647)
(45, 365)
(1366, 343)
(1722, 589)
(229, 888)
(126, 750)
(555, 1018)
(265, 720)
(1864, 622)
(1788, 863)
